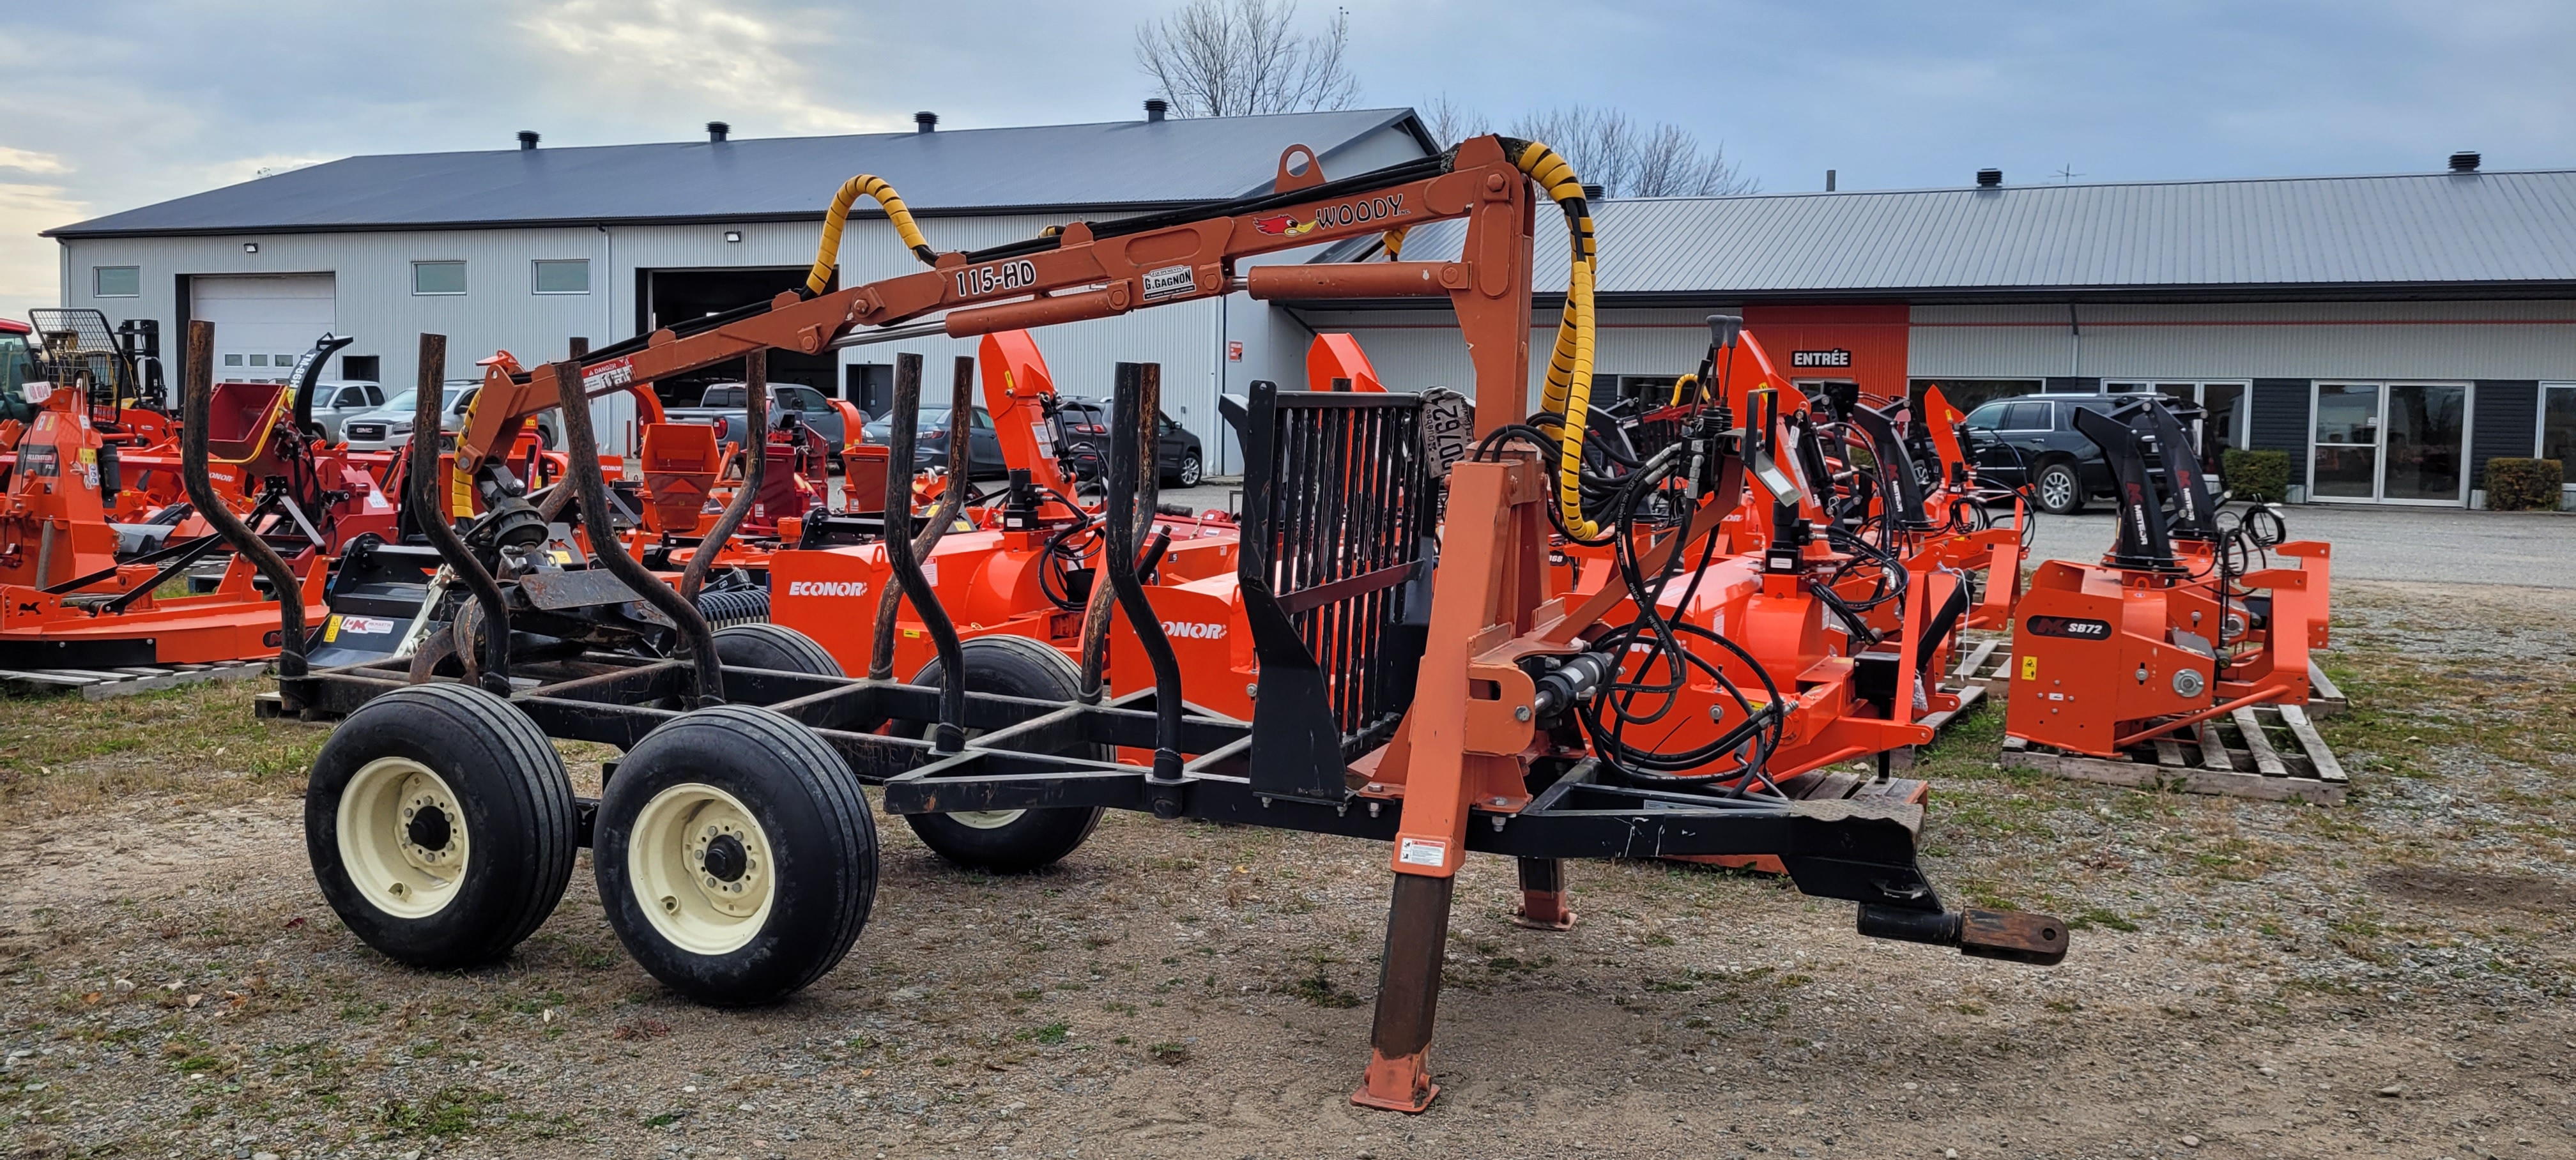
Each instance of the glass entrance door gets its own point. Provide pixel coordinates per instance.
(2391, 443)
(2347, 444)
(2427, 433)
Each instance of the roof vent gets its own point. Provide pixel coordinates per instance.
(527, 138)
(1989, 178)
(2464, 161)
(718, 130)
(1155, 107)
(925, 122)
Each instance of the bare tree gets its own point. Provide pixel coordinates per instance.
(1449, 122)
(1628, 160)
(1235, 58)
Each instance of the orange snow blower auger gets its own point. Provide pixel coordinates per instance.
(2185, 619)
(1434, 706)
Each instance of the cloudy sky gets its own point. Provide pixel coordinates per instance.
(113, 104)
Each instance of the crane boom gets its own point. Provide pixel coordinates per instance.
(1101, 270)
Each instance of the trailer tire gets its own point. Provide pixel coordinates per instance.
(736, 856)
(440, 825)
(1010, 841)
(774, 646)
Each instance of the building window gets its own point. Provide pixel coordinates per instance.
(565, 276)
(2558, 422)
(116, 281)
(1968, 394)
(259, 360)
(360, 367)
(232, 360)
(438, 277)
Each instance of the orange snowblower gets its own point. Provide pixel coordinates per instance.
(2185, 619)
(84, 591)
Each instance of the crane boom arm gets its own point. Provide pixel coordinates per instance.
(1100, 270)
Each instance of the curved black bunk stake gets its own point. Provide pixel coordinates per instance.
(942, 514)
(1133, 473)
(434, 521)
(307, 373)
(755, 457)
(198, 404)
(582, 448)
(949, 736)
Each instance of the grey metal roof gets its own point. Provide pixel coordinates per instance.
(953, 170)
(2430, 231)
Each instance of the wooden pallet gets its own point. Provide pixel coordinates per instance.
(101, 684)
(2270, 752)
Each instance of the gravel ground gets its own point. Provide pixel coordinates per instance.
(2536, 549)
(2248, 979)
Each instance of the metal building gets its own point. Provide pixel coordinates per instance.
(2391, 333)
(526, 249)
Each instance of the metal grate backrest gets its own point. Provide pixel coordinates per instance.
(1339, 495)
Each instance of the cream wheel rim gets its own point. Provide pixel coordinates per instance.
(986, 819)
(701, 869)
(403, 839)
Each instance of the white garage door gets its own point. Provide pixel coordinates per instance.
(263, 323)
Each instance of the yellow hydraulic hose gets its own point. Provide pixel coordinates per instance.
(838, 216)
(1568, 394)
(1684, 389)
(1395, 243)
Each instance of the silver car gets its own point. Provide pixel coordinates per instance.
(389, 426)
(335, 403)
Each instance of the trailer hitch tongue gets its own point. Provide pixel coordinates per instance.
(2011, 935)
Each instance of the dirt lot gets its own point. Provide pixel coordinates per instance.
(2386, 978)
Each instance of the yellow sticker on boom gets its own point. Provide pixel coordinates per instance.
(2030, 668)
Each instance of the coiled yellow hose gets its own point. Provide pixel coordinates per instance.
(1568, 394)
(1684, 389)
(1395, 243)
(864, 185)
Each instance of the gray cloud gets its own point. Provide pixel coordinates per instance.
(135, 101)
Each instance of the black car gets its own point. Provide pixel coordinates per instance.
(2031, 440)
(983, 445)
(1082, 431)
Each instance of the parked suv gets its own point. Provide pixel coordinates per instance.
(336, 402)
(1082, 427)
(2031, 439)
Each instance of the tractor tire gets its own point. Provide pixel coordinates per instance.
(774, 646)
(2059, 488)
(736, 857)
(440, 825)
(1010, 841)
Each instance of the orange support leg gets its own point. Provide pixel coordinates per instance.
(1543, 895)
(1408, 997)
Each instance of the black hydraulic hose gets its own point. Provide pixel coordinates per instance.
(949, 734)
(199, 404)
(1133, 474)
(422, 496)
(755, 381)
(582, 447)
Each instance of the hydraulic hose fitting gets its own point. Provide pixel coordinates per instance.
(1572, 682)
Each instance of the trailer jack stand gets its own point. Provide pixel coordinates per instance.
(1543, 896)
(1408, 996)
